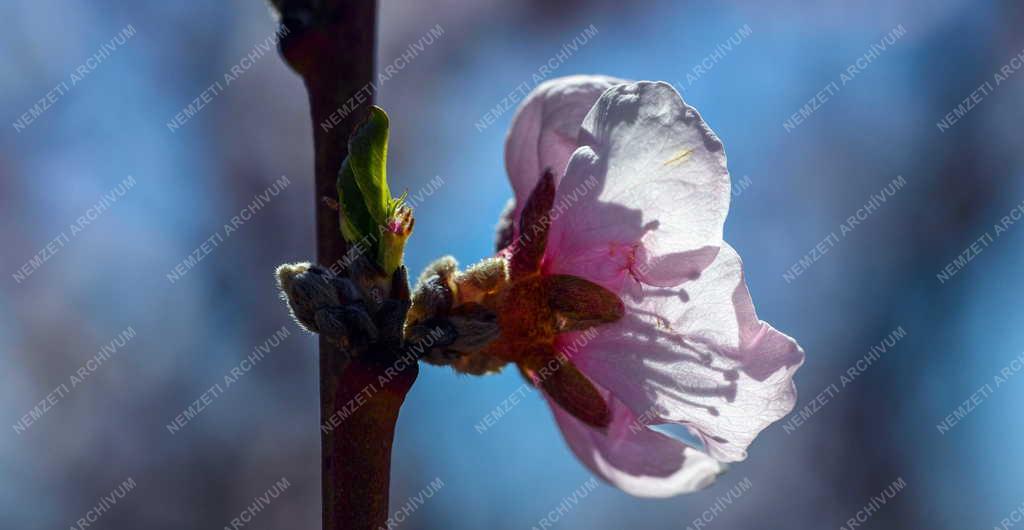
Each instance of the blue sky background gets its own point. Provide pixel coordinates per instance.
(803, 183)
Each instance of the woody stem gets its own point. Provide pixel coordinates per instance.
(330, 43)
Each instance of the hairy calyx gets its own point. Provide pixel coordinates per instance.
(507, 310)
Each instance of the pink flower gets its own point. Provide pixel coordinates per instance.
(635, 202)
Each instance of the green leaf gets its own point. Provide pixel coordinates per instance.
(367, 157)
(393, 237)
(356, 221)
(369, 216)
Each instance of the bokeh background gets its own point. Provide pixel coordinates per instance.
(801, 185)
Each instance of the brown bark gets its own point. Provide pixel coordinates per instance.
(330, 43)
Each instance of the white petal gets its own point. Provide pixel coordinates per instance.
(636, 459)
(649, 173)
(697, 355)
(546, 128)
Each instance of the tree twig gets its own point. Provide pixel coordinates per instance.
(330, 43)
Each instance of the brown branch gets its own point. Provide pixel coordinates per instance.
(330, 43)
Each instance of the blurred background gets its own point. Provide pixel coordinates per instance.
(103, 201)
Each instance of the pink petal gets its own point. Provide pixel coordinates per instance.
(634, 458)
(545, 129)
(649, 176)
(697, 355)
